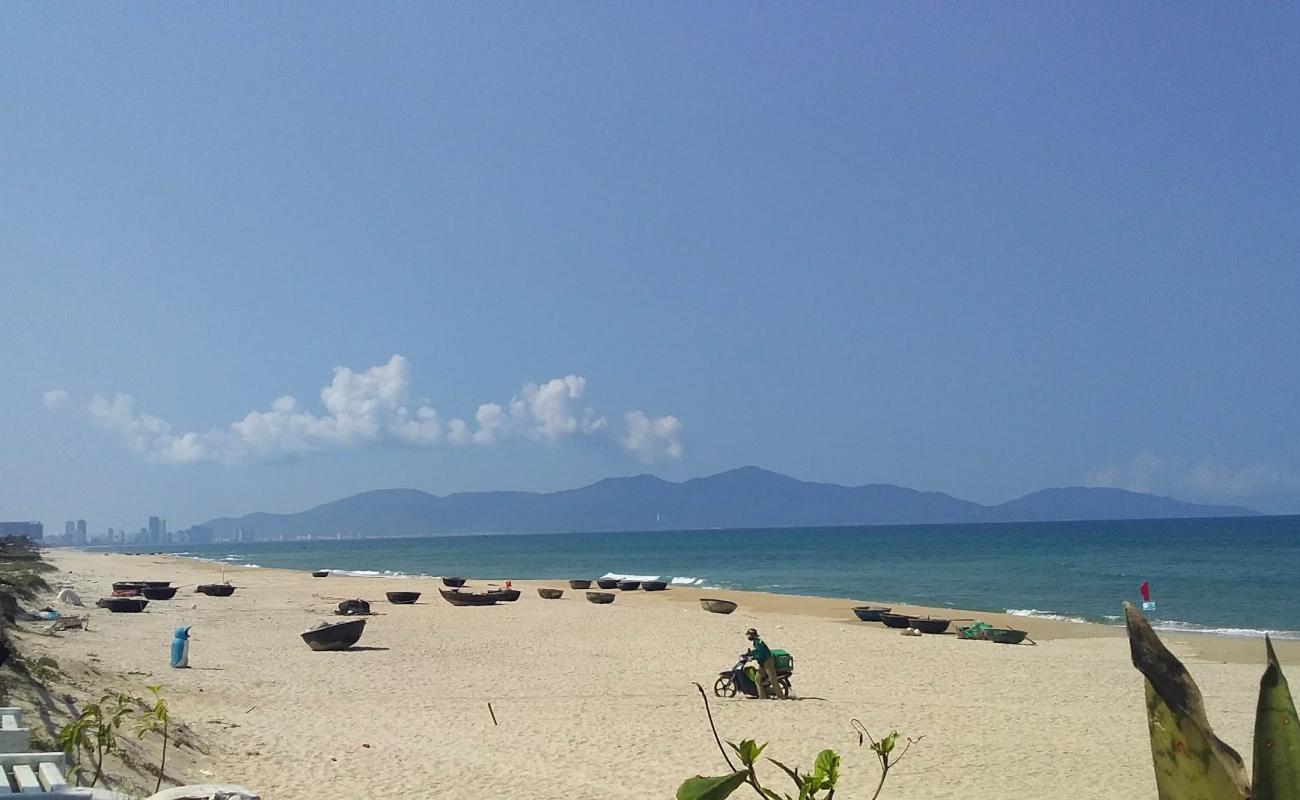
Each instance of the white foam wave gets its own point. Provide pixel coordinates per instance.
(1175, 626)
(684, 580)
(1037, 614)
(251, 566)
(615, 576)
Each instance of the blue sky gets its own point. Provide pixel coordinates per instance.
(978, 249)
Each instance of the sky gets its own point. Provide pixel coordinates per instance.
(255, 257)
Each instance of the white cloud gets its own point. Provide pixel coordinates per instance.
(652, 438)
(374, 406)
(1205, 479)
(55, 399)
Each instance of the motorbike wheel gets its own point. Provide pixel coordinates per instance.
(724, 687)
(785, 687)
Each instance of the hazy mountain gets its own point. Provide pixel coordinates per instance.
(748, 497)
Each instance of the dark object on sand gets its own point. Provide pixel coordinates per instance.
(894, 620)
(402, 598)
(459, 598)
(579, 584)
(352, 608)
(454, 583)
(156, 584)
(869, 613)
(928, 624)
(505, 595)
(607, 583)
(159, 592)
(654, 586)
(550, 594)
(320, 573)
(335, 635)
(1005, 635)
(600, 598)
(629, 586)
(127, 592)
(717, 606)
(123, 605)
(126, 586)
(215, 589)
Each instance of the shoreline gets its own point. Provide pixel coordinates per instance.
(1190, 644)
(600, 700)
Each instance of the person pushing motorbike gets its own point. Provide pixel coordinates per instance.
(762, 656)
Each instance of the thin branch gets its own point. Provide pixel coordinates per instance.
(713, 728)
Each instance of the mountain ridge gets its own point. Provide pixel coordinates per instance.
(745, 497)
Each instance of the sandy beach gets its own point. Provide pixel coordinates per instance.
(598, 701)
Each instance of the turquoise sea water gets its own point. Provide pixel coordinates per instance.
(1232, 576)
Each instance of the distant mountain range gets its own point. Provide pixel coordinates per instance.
(748, 497)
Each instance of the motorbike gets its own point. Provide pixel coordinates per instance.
(738, 680)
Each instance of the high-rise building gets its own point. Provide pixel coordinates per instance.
(69, 531)
(80, 539)
(155, 530)
(32, 530)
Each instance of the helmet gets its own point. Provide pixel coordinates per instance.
(751, 633)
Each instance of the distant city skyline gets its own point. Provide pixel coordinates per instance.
(259, 258)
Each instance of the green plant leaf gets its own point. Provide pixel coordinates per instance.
(1191, 763)
(748, 750)
(1277, 736)
(702, 788)
(826, 770)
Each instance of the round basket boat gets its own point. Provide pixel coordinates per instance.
(1005, 635)
(607, 583)
(600, 598)
(505, 595)
(654, 586)
(928, 624)
(335, 635)
(215, 589)
(123, 605)
(894, 620)
(550, 594)
(126, 586)
(402, 598)
(869, 613)
(459, 598)
(454, 583)
(159, 592)
(579, 584)
(629, 586)
(320, 573)
(717, 606)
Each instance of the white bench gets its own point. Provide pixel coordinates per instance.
(14, 738)
(37, 776)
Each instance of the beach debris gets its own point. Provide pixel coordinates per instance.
(910, 632)
(493, 713)
(350, 608)
(206, 791)
(69, 597)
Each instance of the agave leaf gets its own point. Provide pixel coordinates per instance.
(702, 788)
(1191, 763)
(1277, 736)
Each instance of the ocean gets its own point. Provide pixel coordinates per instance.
(1237, 576)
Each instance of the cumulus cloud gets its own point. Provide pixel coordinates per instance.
(55, 399)
(652, 438)
(1207, 478)
(374, 406)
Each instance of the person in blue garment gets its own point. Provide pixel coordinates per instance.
(181, 648)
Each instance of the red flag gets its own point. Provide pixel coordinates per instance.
(1145, 588)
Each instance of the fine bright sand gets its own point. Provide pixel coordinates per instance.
(598, 702)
